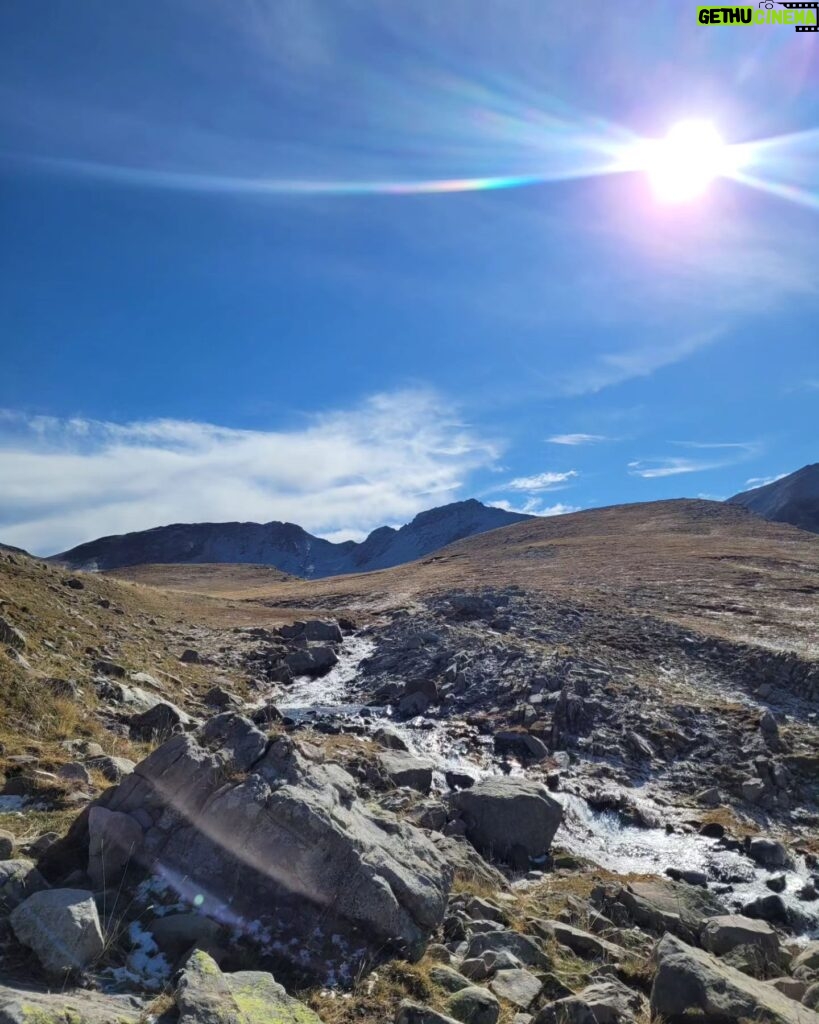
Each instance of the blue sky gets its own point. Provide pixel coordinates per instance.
(234, 286)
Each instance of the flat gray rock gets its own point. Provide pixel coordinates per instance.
(405, 770)
(721, 934)
(522, 947)
(518, 987)
(24, 1005)
(474, 1005)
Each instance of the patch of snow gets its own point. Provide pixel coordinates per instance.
(9, 804)
(145, 966)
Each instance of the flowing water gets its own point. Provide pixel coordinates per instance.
(604, 837)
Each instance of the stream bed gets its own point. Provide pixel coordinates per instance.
(604, 837)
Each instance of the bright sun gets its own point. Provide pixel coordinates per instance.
(681, 166)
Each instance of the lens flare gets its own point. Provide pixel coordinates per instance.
(681, 166)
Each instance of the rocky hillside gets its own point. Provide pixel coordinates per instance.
(288, 547)
(563, 772)
(792, 499)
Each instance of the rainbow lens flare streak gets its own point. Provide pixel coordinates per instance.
(786, 167)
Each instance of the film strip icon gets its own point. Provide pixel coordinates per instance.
(797, 5)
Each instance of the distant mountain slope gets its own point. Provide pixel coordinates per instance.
(288, 547)
(12, 550)
(708, 564)
(794, 499)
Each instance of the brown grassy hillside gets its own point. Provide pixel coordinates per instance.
(710, 565)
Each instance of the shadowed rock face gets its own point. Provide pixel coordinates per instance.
(253, 828)
(793, 499)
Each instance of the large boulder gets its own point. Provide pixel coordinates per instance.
(286, 843)
(24, 1004)
(204, 995)
(62, 926)
(512, 819)
(692, 984)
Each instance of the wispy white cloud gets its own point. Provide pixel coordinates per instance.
(641, 360)
(533, 506)
(651, 469)
(732, 453)
(576, 439)
(745, 446)
(762, 481)
(66, 481)
(541, 482)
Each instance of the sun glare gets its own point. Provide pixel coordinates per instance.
(681, 166)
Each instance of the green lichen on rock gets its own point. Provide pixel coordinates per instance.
(260, 1000)
(59, 1013)
(246, 997)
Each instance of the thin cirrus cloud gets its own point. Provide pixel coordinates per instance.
(541, 482)
(726, 453)
(612, 368)
(340, 474)
(652, 469)
(576, 439)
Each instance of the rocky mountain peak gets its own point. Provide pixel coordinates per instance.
(289, 547)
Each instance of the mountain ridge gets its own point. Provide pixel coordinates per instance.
(287, 546)
(792, 499)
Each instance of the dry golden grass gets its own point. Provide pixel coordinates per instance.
(210, 579)
(65, 630)
(376, 997)
(160, 1007)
